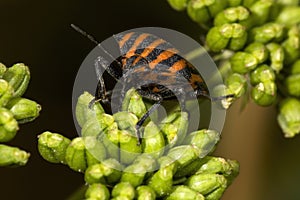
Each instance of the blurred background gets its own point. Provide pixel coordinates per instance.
(38, 33)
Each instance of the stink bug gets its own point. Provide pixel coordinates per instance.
(157, 67)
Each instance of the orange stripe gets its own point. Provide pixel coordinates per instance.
(179, 65)
(149, 49)
(196, 78)
(124, 39)
(163, 56)
(138, 41)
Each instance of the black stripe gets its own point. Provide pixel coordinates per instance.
(129, 62)
(171, 60)
(158, 50)
(185, 72)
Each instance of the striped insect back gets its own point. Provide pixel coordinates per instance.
(157, 64)
(155, 69)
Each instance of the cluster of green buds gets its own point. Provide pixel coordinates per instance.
(169, 163)
(14, 110)
(256, 44)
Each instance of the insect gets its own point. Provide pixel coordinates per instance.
(154, 67)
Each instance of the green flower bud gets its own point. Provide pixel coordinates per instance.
(8, 125)
(94, 174)
(97, 192)
(123, 189)
(234, 3)
(184, 155)
(276, 56)
(78, 157)
(12, 156)
(296, 67)
(129, 148)
(201, 11)
(82, 110)
(258, 50)
(190, 169)
(289, 16)
(161, 182)
(262, 73)
(289, 118)
(18, 77)
(242, 62)
(216, 194)
(97, 126)
(260, 11)
(288, 2)
(121, 198)
(238, 43)
(237, 84)
(174, 127)
(145, 192)
(6, 92)
(24, 110)
(264, 93)
(230, 15)
(198, 12)
(234, 30)
(108, 171)
(267, 33)
(147, 161)
(206, 183)
(133, 103)
(134, 174)
(53, 146)
(153, 141)
(125, 120)
(75, 155)
(178, 4)
(184, 192)
(291, 45)
(292, 84)
(245, 3)
(248, 3)
(217, 165)
(2, 69)
(112, 170)
(215, 6)
(204, 140)
(111, 141)
(234, 171)
(232, 35)
(166, 161)
(216, 40)
(95, 150)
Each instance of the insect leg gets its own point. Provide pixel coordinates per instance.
(100, 94)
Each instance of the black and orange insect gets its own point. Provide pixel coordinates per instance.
(153, 63)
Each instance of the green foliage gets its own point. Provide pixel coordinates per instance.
(165, 165)
(262, 38)
(14, 110)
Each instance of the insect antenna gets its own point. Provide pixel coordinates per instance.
(92, 39)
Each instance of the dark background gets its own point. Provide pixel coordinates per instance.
(38, 33)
